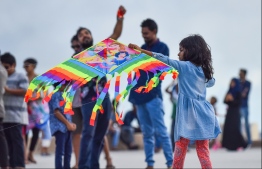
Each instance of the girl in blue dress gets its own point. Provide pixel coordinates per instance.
(195, 116)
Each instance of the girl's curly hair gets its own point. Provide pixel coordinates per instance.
(198, 52)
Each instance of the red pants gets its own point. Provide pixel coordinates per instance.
(202, 148)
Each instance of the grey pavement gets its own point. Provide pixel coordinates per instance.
(250, 158)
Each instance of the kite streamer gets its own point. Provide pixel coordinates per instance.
(108, 58)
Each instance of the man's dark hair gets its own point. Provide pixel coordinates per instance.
(74, 38)
(31, 61)
(244, 71)
(151, 24)
(80, 29)
(8, 58)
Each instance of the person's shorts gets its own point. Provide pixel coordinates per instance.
(77, 118)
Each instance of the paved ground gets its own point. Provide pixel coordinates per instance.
(221, 158)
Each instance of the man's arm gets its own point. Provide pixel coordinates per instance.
(19, 92)
(246, 90)
(119, 24)
(22, 86)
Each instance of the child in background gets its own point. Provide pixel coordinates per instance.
(172, 90)
(61, 127)
(195, 116)
(217, 144)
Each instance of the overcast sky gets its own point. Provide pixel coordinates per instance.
(43, 29)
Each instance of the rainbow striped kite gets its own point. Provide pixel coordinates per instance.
(108, 58)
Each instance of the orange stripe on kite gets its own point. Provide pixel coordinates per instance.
(163, 75)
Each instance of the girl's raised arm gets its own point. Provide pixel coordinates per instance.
(174, 63)
(158, 56)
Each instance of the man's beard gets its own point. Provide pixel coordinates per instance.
(87, 44)
(148, 41)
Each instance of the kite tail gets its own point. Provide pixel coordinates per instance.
(97, 91)
(117, 85)
(98, 105)
(152, 83)
(69, 95)
(48, 97)
(31, 91)
(118, 119)
(174, 73)
(124, 93)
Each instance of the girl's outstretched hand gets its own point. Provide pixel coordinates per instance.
(133, 46)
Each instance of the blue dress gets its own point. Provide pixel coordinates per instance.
(195, 116)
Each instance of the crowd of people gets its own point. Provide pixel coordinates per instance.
(193, 117)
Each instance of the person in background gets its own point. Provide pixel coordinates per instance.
(38, 116)
(172, 90)
(109, 162)
(232, 137)
(46, 139)
(29, 66)
(217, 144)
(150, 111)
(61, 127)
(15, 111)
(75, 45)
(92, 139)
(77, 118)
(128, 131)
(244, 113)
(115, 140)
(4, 163)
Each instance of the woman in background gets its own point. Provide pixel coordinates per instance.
(232, 137)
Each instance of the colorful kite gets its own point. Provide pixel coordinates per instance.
(108, 58)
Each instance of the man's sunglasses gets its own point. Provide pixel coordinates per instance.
(26, 66)
(75, 46)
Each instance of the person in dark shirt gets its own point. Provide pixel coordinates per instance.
(127, 130)
(92, 139)
(150, 105)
